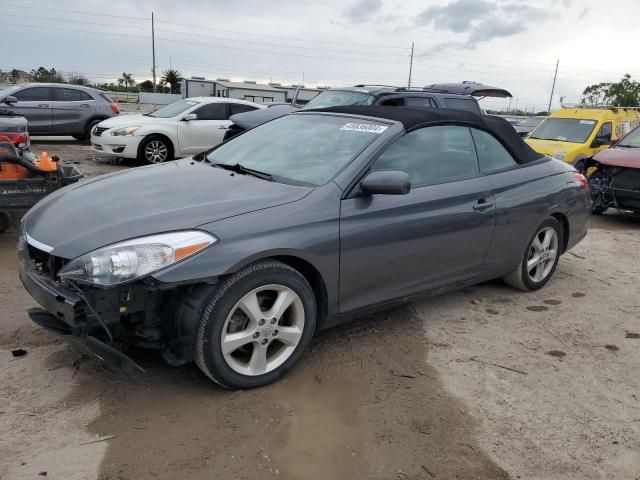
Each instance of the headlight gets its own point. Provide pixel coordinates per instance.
(132, 259)
(125, 132)
(559, 155)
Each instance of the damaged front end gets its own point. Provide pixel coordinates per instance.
(613, 186)
(110, 321)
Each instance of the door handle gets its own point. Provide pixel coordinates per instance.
(222, 128)
(482, 205)
(84, 104)
(42, 105)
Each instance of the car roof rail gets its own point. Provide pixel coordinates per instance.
(596, 106)
(363, 85)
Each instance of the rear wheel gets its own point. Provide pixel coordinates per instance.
(5, 221)
(155, 149)
(256, 326)
(540, 258)
(87, 131)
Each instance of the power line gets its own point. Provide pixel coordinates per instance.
(75, 12)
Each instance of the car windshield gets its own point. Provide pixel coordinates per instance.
(334, 98)
(173, 109)
(306, 149)
(574, 130)
(6, 92)
(632, 140)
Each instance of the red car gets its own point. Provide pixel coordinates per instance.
(614, 175)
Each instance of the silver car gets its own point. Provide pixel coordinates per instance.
(59, 109)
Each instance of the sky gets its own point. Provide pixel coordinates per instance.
(505, 43)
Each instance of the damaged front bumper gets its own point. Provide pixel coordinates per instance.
(65, 314)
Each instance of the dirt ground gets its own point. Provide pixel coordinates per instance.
(485, 383)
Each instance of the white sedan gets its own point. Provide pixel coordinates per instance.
(181, 129)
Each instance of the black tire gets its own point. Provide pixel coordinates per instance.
(520, 278)
(5, 221)
(164, 145)
(86, 137)
(208, 353)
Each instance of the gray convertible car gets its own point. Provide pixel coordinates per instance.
(235, 258)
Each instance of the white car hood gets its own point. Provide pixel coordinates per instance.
(134, 121)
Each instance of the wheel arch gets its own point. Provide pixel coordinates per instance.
(564, 224)
(164, 136)
(305, 266)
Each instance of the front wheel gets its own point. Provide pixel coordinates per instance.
(540, 258)
(256, 326)
(155, 149)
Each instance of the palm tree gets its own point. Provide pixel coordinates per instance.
(173, 78)
(127, 80)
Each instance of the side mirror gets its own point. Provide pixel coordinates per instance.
(10, 100)
(189, 117)
(386, 183)
(601, 141)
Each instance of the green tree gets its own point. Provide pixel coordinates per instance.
(625, 93)
(44, 75)
(172, 78)
(146, 86)
(127, 80)
(78, 79)
(14, 76)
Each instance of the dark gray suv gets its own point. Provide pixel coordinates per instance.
(59, 109)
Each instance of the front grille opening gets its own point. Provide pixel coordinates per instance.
(44, 263)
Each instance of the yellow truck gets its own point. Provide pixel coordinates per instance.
(573, 134)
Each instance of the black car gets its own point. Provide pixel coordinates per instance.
(235, 260)
(457, 96)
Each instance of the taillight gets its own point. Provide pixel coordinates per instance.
(19, 140)
(582, 180)
(115, 108)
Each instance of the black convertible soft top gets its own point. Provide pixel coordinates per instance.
(412, 118)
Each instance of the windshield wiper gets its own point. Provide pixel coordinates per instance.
(244, 170)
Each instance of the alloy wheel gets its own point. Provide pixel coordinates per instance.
(156, 151)
(542, 254)
(262, 330)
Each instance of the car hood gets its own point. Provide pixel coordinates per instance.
(133, 121)
(619, 157)
(249, 120)
(549, 147)
(147, 200)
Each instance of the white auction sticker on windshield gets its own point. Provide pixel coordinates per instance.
(364, 127)
(587, 122)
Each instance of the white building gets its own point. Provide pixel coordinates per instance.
(246, 90)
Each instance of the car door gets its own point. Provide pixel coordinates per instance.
(517, 194)
(35, 104)
(393, 246)
(206, 131)
(72, 109)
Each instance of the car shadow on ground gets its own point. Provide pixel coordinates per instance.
(363, 403)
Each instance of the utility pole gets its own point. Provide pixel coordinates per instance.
(153, 49)
(553, 87)
(410, 66)
(509, 109)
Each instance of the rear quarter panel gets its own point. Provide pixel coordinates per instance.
(525, 197)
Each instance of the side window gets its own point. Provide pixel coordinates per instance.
(212, 111)
(605, 131)
(70, 95)
(424, 102)
(35, 94)
(492, 156)
(469, 104)
(239, 108)
(432, 155)
(393, 102)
